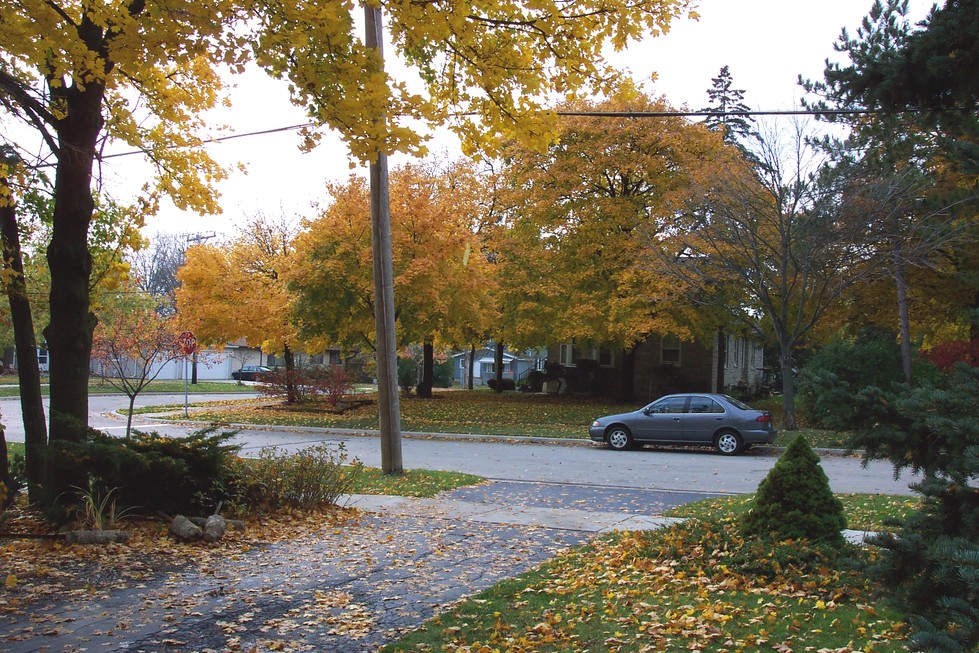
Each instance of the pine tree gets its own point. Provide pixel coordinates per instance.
(795, 500)
(725, 102)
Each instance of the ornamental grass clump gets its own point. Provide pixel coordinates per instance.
(306, 480)
(795, 502)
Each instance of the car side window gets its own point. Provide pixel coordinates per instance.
(704, 405)
(671, 405)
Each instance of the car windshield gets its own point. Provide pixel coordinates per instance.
(737, 403)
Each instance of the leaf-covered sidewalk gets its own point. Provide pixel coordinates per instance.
(349, 586)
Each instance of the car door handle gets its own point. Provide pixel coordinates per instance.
(676, 419)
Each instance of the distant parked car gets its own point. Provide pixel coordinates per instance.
(250, 373)
(727, 424)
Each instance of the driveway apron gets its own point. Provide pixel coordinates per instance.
(351, 588)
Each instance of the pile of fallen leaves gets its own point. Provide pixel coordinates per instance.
(35, 562)
(697, 586)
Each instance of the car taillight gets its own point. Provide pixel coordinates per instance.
(764, 419)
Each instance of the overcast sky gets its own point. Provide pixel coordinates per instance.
(766, 43)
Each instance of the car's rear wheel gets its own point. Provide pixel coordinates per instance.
(729, 443)
(619, 438)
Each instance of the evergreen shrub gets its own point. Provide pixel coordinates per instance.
(839, 370)
(407, 374)
(795, 501)
(506, 384)
(152, 473)
(931, 562)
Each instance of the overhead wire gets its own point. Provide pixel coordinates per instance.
(594, 114)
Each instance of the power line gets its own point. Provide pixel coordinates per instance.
(603, 114)
(221, 139)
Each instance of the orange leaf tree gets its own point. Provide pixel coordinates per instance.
(571, 240)
(131, 344)
(441, 274)
(239, 291)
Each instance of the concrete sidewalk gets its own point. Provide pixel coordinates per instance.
(585, 521)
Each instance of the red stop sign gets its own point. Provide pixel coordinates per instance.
(187, 343)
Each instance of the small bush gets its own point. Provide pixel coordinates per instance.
(407, 374)
(946, 355)
(502, 386)
(278, 382)
(153, 472)
(442, 374)
(305, 480)
(332, 382)
(795, 501)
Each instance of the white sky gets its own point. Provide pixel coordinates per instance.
(766, 43)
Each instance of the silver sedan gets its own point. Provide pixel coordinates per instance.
(720, 421)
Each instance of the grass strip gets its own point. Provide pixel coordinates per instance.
(697, 586)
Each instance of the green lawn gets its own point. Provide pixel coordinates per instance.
(864, 512)
(411, 483)
(468, 412)
(9, 387)
(697, 586)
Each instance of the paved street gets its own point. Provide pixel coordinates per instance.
(578, 462)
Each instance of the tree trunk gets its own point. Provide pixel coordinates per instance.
(28, 373)
(129, 417)
(292, 392)
(6, 479)
(193, 377)
(904, 320)
(974, 325)
(424, 388)
(627, 389)
(472, 366)
(69, 334)
(498, 364)
(788, 390)
(721, 358)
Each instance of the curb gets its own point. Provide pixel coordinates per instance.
(473, 437)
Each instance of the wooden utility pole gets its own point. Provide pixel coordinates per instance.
(388, 402)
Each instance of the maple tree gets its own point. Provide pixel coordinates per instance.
(571, 238)
(26, 207)
(239, 291)
(441, 276)
(25, 339)
(132, 343)
(83, 72)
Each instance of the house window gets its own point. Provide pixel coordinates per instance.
(670, 352)
(606, 358)
(568, 355)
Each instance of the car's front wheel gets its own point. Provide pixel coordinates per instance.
(619, 438)
(729, 443)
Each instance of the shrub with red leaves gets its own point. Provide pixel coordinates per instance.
(947, 354)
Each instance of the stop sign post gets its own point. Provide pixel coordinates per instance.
(187, 344)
